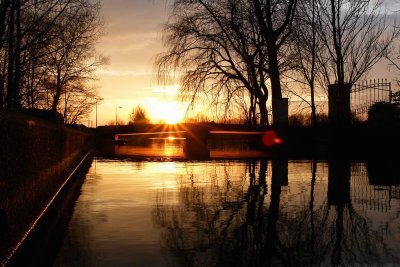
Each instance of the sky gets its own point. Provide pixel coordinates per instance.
(132, 39)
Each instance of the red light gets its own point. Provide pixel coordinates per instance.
(270, 138)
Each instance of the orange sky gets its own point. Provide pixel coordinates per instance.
(132, 39)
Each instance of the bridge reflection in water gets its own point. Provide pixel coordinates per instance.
(181, 145)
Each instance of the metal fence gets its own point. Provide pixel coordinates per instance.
(365, 94)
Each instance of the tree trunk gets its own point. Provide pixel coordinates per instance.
(313, 62)
(337, 41)
(253, 108)
(11, 55)
(263, 112)
(56, 99)
(1, 90)
(57, 94)
(14, 57)
(313, 111)
(18, 68)
(4, 6)
(273, 66)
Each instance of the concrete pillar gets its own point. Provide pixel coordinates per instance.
(339, 104)
(281, 111)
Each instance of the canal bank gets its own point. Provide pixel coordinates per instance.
(36, 159)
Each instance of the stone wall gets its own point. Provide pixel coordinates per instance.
(35, 157)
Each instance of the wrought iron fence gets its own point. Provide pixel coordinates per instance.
(366, 93)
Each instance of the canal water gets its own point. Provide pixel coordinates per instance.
(166, 211)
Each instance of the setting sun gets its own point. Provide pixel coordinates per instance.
(168, 112)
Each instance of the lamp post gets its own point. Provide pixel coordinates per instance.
(116, 115)
(97, 100)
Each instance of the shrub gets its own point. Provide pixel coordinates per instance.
(299, 120)
(383, 113)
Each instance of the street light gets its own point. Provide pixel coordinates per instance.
(98, 99)
(116, 115)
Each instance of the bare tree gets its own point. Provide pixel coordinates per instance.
(218, 47)
(306, 45)
(356, 34)
(78, 103)
(47, 49)
(71, 56)
(275, 19)
(4, 9)
(27, 26)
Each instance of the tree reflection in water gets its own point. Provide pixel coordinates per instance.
(271, 217)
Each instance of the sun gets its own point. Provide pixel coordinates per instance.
(169, 112)
(172, 116)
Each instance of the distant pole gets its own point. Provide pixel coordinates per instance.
(116, 115)
(97, 99)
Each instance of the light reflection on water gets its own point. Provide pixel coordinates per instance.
(153, 147)
(230, 146)
(233, 213)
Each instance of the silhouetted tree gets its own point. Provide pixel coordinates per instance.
(79, 100)
(356, 35)
(220, 50)
(43, 53)
(138, 116)
(71, 55)
(307, 45)
(275, 19)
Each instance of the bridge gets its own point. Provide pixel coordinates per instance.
(197, 136)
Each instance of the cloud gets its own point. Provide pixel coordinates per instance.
(131, 43)
(169, 90)
(134, 15)
(116, 73)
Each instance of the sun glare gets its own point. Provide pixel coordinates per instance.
(172, 117)
(169, 112)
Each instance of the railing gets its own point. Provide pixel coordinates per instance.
(365, 94)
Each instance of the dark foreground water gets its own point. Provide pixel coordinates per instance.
(164, 212)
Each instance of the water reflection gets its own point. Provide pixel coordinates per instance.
(152, 147)
(234, 213)
(268, 221)
(231, 147)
